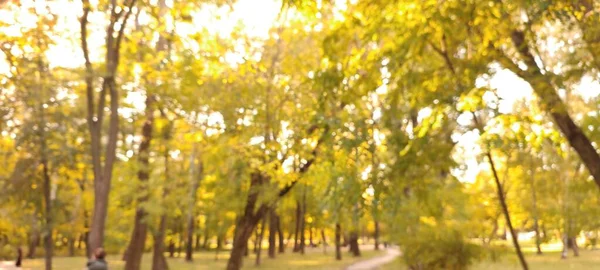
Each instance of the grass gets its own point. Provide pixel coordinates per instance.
(314, 259)
(550, 260)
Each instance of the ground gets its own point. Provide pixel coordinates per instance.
(550, 260)
(312, 260)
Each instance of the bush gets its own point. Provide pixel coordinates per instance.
(437, 251)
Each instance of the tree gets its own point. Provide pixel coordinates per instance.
(103, 168)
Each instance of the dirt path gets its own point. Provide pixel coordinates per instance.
(374, 263)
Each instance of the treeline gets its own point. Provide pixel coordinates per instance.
(387, 120)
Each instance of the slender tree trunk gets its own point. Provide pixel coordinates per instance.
(311, 243)
(302, 245)
(206, 238)
(159, 262)
(137, 242)
(48, 239)
(86, 234)
(171, 248)
(536, 227)
(80, 239)
(338, 245)
(47, 183)
(256, 236)
(272, 233)
(494, 231)
(280, 233)
(376, 235)
(71, 243)
(354, 249)
(259, 244)
(33, 243)
(298, 227)
(303, 223)
(198, 236)
(196, 178)
(324, 241)
(502, 199)
(181, 242)
(500, 191)
(220, 241)
(565, 250)
(198, 242)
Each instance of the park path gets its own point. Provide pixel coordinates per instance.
(373, 264)
(7, 265)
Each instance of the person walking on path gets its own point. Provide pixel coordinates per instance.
(98, 262)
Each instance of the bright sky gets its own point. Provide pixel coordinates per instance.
(255, 17)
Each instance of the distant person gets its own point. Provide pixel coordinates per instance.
(19, 260)
(98, 262)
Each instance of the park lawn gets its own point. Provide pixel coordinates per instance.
(588, 259)
(312, 260)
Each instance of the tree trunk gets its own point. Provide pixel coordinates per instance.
(354, 249)
(198, 242)
(303, 223)
(500, 191)
(536, 227)
(574, 246)
(220, 241)
(376, 235)
(502, 199)
(272, 233)
(280, 233)
(86, 234)
(133, 260)
(80, 240)
(338, 245)
(246, 223)
(47, 182)
(171, 248)
(181, 242)
(189, 244)
(196, 178)
(302, 245)
(159, 262)
(259, 244)
(256, 236)
(48, 239)
(72, 246)
(206, 238)
(565, 250)
(95, 116)
(323, 241)
(33, 243)
(311, 243)
(298, 227)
